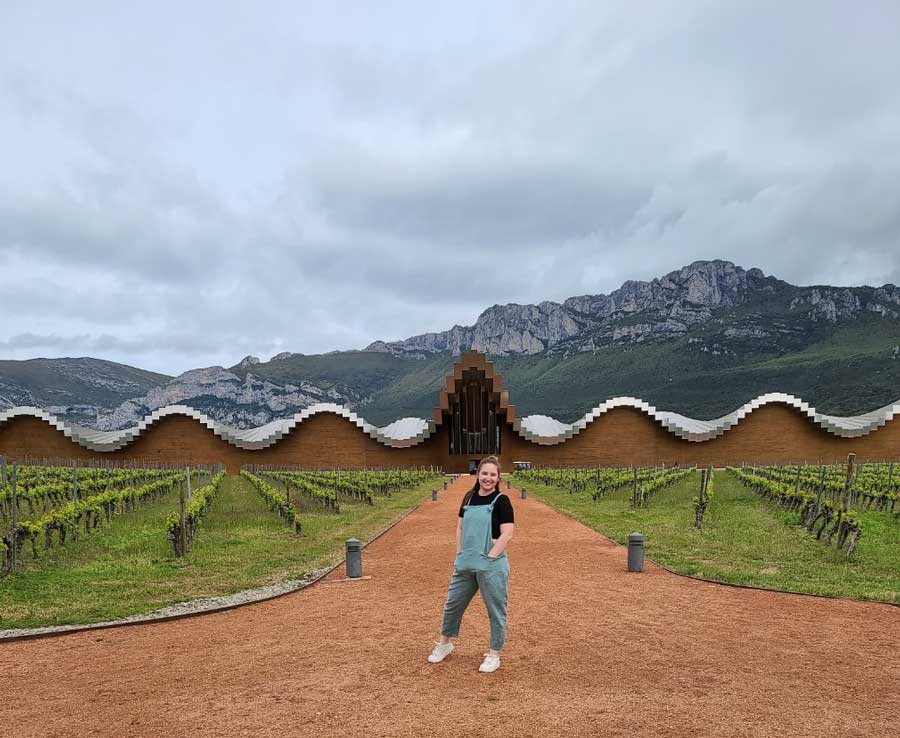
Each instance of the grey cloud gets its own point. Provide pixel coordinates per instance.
(125, 208)
(137, 345)
(359, 178)
(494, 201)
(43, 298)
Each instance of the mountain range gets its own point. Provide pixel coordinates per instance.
(700, 341)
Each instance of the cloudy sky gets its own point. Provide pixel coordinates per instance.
(187, 183)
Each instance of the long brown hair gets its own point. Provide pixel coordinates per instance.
(486, 460)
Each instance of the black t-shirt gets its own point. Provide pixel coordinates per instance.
(502, 512)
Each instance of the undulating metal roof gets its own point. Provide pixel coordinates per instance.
(399, 434)
(405, 432)
(548, 431)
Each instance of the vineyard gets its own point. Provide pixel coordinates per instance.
(82, 544)
(47, 505)
(824, 529)
(644, 483)
(676, 656)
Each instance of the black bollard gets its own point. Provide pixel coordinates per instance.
(434, 495)
(524, 493)
(354, 558)
(635, 552)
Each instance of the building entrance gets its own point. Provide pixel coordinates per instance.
(475, 419)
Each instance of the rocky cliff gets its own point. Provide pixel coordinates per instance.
(240, 402)
(737, 304)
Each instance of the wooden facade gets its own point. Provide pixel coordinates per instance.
(473, 417)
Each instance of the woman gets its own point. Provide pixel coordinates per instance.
(483, 530)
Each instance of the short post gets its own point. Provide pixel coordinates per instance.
(434, 495)
(819, 490)
(524, 493)
(508, 484)
(182, 534)
(445, 486)
(847, 482)
(635, 552)
(15, 517)
(3, 479)
(354, 558)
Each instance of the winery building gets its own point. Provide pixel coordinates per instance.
(473, 417)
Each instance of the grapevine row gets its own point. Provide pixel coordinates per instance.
(870, 486)
(819, 516)
(601, 481)
(279, 502)
(89, 512)
(43, 488)
(181, 537)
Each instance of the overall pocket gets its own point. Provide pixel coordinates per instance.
(492, 561)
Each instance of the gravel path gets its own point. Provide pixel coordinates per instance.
(592, 650)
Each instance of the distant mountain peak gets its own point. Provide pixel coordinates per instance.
(697, 339)
(678, 303)
(242, 402)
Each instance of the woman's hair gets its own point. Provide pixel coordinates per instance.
(486, 460)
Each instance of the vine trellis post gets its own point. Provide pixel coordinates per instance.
(847, 482)
(182, 533)
(14, 536)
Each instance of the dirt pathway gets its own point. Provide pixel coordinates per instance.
(592, 650)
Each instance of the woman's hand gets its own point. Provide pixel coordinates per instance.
(506, 532)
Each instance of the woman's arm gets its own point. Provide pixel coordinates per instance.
(459, 535)
(506, 532)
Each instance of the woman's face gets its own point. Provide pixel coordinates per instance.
(488, 476)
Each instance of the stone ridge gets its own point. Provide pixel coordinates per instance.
(668, 307)
(241, 403)
(247, 401)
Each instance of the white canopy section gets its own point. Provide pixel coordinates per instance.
(399, 434)
(541, 429)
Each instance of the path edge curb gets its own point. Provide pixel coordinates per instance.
(64, 630)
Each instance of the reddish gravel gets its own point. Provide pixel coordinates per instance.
(592, 650)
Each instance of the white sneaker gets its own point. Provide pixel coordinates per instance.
(491, 663)
(440, 652)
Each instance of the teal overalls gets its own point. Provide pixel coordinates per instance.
(474, 570)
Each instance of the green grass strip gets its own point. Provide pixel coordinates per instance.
(128, 568)
(744, 540)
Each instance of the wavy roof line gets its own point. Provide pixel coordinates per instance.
(547, 431)
(406, 432)
(399, 434)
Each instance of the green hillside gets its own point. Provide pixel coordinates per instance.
(844, 370)
(83, 380)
